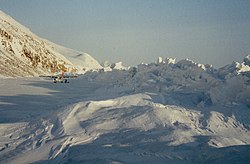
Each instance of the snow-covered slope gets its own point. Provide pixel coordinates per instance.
(22, 53)
(81, 60)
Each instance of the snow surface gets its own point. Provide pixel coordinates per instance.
(156, 113)
(163, 112)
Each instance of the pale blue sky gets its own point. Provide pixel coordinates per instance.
(134, 31)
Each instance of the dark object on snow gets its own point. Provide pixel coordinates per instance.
(60, 80)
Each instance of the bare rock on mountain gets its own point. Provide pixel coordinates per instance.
(22, 53)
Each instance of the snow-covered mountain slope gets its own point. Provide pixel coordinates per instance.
(164, 112)
(22, 53)
(81, 60)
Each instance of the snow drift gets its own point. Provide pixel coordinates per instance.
(164, 112)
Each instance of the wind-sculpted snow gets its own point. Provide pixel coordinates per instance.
(185, 82)
(156, 113)
(180, 112)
